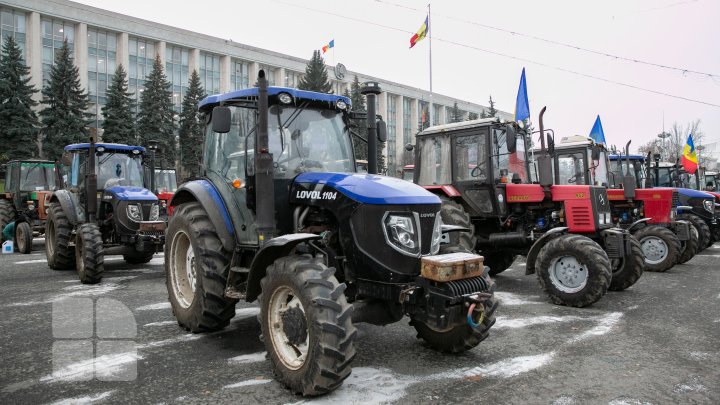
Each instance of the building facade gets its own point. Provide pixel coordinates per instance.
(101, 40)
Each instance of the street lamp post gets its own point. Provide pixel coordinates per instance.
(663, 149)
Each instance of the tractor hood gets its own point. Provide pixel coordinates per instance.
(688, 192)
(131, 193)
(364, 188)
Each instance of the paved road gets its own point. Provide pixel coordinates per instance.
(656, 343)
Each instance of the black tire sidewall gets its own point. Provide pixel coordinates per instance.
(26, 235)
(670, 240)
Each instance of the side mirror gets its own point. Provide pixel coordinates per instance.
(511, 138)
(409, 147)
(221, 119)
(595, 153)
(381, 131)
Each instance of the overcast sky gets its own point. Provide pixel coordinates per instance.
(372, 37)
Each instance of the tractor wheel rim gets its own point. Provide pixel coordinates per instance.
(654, 249)
(183, 269)
(567, 274)
(287, 324)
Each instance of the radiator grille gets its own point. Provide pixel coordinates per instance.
(582, 216)
(675, 199)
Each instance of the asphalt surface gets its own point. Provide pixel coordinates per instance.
(655, 343)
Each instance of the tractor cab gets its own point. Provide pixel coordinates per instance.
(579, 160)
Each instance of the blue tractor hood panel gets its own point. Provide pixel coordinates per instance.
(132, 193)
(688, 192)
(371, 189)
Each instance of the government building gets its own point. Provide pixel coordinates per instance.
(102, 39)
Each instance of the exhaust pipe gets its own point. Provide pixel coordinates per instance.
(91, 184)
(264, 190)
(370, 90)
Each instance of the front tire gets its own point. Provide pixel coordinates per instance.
(689, 247)
(196, 271)
(573, 270)
(704, 234)
(23, 238)
(660, 247)
(306, 325)
(453, 213)
(499, 262)
(135, 257)
(89, 256)
(58, 236)
(627, 271)
(7, 213)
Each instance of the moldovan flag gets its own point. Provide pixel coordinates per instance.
(596, 133)
(330, 44)
(522, 106)
(422, 32)
(689, 158)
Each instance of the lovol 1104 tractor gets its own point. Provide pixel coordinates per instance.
(25, 200)
(647, 213)
(104, 209)
(281, 217)
(480, 171)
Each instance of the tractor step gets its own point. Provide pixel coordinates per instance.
(235, 290)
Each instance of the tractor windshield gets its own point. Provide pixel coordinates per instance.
(36, 176)
(711, 182)
(508, 166)
(165, 180)
(301, 139)
(571, 167)
(119, 169)
(636, 170)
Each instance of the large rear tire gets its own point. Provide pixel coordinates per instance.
(453, 213)
(498, 262)
(689, 247)
(306, 325)
(573, 270)
(89, 256)
(135, 257)
(196, 271)
(58, 236)
(7, 213)
(627, 271)
(23, 237)
(660, 247)
(460, 338)
(704, 234)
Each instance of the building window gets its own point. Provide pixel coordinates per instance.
(436, 114)
(142, 53)
(292, 79)
(391, 132)
(54, 32)
(102, 48)
(210, 72)
(423, 115)
(239, 75)
(12, 24)
(177, 66)
(407, 124)
(269, 74)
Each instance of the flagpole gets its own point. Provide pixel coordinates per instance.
(431, 107)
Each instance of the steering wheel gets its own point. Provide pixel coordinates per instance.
(477, 171)
(574, 178)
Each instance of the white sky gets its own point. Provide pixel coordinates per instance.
(678, 33)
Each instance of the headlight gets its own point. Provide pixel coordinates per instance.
(673, 214)
(436, 235)
(285, 98)
(341, 105)
(31, 207)
(134, 212)
(608, 218)
(400, 233)
(154, 212)
(601, 219)
(708, 204)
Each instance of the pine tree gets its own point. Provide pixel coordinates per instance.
(316, 76)
(491, 111)
(19, 128)
(119, 123)
(455, 113)
(472, 116)
(190, 131)
(358, 104)
(65, 119)
(155, 119)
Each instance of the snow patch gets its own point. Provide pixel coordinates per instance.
(694, 385)
(502, 322)
(246, 383)
(247, 358)
(151, 307)
(107, 364)
(701, 356)
(628, 401)
(31, 261)
(119, 279)
(604, 326)
(511, 299)
(243, 313)
(84, 400)
(163, 323)
(564, 400)
(177, 339)
(88, 290)
(502, 369)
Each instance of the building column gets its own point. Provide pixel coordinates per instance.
(253, 69)
(399, 133)
(81, 53)
(33, 52)
(442, 119)
(193, 61)
(161, 46)
(281, 73)
(123, 53)
(225, 66)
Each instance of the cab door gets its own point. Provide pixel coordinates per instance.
(472, 171)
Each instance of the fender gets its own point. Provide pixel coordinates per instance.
(268, 253)
(539, 244)
(636, 223)
(204, 192)
(66, 202)
(446, 229)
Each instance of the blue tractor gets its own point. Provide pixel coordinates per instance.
(280, 216)
(102, 209)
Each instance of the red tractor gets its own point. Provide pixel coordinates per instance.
(648, 213)
(480, 171)
(165, 187)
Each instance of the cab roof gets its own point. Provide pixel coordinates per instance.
(110, 146)
(482, 122)
(246, 94)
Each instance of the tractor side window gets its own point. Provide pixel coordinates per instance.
(571, 168)
(77, 166)
(225, 153)
(507, 164)
(434, 161)
(470, 158)
(599, 170)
